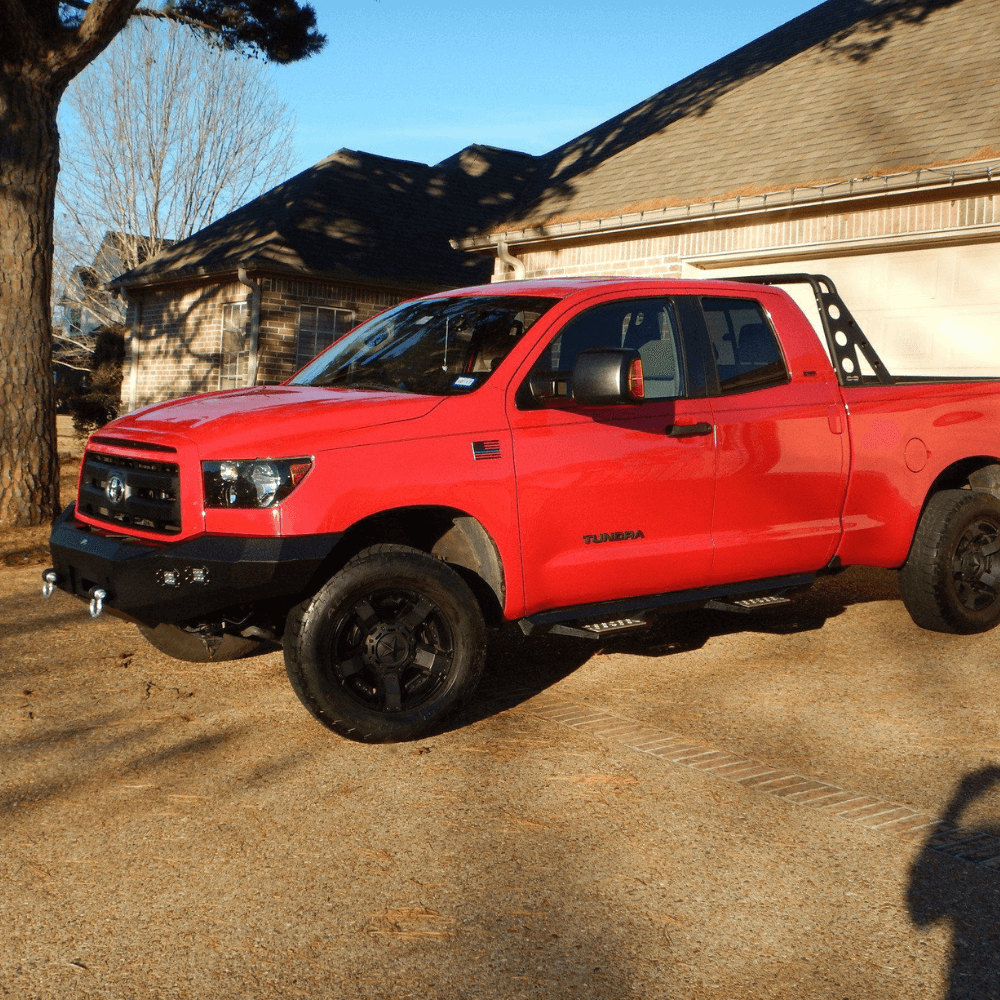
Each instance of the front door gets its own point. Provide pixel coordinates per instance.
(615, 501)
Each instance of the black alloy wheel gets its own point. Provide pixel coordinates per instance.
(951, 579)
(391, 650)
(975, 566)
(388, 647)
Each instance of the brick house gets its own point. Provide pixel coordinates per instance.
(253, 296)
(860, 140)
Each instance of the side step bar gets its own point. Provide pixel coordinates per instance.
(591, 621)
(748, 604)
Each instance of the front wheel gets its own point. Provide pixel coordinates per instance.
(388, 647)
(951, 579)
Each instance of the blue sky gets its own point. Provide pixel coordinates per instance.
(420, 80)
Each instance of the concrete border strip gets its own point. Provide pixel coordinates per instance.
(873, 813)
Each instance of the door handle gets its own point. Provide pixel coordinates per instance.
(688, 430)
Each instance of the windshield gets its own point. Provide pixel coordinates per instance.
(436, 347)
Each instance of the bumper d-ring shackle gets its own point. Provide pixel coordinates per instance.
(97, 595)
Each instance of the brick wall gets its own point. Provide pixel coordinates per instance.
(817, 231)
(175, 342)
(177, 331)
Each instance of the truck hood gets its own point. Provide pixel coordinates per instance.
(269, 420)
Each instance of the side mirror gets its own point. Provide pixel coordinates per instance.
(542, 388)
(607, 377)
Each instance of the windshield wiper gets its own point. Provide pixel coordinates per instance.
(364, 384)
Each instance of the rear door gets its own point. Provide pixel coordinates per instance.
(616, 501)
(782, 457)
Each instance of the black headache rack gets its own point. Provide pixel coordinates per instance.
(844, 338)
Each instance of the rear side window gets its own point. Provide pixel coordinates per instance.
(648, 326)
(747, 353)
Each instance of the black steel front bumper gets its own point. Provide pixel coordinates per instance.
(186, 581)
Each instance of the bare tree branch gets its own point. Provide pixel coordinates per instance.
(165, 135)
(71, 353)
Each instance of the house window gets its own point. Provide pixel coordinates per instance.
(234, 350)
(319, 327)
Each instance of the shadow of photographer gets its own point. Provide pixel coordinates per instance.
(962, 894)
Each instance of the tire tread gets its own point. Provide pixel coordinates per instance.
(925, 578)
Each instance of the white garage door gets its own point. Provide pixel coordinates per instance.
(931, 312)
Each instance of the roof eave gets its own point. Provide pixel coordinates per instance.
(924, 179)
(256, 266)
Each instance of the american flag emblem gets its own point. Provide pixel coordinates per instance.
(485, 449)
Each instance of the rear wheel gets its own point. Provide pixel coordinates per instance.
(951, 580)
(388, 647)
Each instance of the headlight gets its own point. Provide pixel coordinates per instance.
(258, 482)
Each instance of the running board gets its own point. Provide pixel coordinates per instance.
(593, 630)
(748, 604)
(591, 621)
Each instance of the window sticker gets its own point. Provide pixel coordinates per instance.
(464, 382)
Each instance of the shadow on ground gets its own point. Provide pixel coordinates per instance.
(943, 889)
(518, 667)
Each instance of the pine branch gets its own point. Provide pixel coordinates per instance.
(102, 21)
(164, 15)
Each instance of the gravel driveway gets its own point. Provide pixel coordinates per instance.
(179, 830)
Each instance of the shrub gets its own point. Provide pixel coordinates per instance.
(98, 399)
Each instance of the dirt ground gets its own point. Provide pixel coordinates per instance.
(184, 830)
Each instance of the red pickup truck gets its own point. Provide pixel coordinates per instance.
(572, 455)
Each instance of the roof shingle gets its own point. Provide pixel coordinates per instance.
(849, 89)
(358, 216)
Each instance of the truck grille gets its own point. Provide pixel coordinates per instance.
(131, 493)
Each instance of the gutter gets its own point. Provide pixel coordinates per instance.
(510, 260)
(254, 287)
(928, 179)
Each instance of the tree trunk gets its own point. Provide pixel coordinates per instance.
(29, 166)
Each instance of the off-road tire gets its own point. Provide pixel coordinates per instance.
(189, 646)
(951, 579)
(388, 647)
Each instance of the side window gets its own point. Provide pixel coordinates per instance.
(648, 326)
(747, 353)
